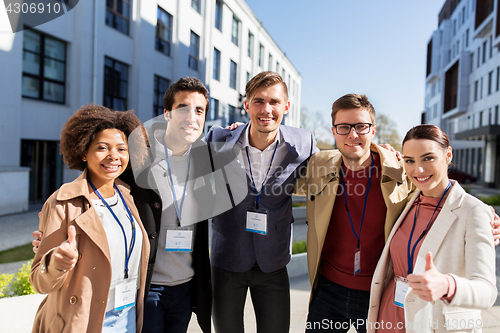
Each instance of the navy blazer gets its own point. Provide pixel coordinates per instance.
(237, 250)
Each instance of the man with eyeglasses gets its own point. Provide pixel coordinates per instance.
(354, 195)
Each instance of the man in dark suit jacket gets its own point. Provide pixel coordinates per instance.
(251, 242)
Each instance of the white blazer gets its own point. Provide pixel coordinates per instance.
(461, 244)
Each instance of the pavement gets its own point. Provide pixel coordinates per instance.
(17, 313)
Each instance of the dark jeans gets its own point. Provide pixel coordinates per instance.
(270, 294)
(167, 309)
(335, 308)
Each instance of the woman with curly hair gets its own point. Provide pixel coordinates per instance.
(92, 260)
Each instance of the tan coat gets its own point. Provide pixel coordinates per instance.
(461, 244)
(76, 300)
(320, 186)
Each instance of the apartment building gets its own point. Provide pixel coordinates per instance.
(463, 84)
(123, 54)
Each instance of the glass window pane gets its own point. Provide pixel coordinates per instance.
(31, 41)
(53, 92)
(109, 18)
(126, 10)
(54, 49)
(109, 4)
(30, 87)
(165, 34)
(53, 69)
(31, 63)
(119, 104)
(123, 89)
(122, 70)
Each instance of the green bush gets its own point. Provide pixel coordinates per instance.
(492, 201)
(17, 284)
(4, 283)
(299, 247)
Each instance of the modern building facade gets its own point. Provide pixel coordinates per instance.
(123, 54)
(463, 84)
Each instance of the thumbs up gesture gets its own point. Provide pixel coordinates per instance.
(66, 254)
(431, 285)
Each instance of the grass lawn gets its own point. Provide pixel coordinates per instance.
(23, 252)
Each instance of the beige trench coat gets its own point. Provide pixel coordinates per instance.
(76, 300)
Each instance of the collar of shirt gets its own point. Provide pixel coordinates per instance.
(260, 159)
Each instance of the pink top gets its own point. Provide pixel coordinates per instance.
(388, 311)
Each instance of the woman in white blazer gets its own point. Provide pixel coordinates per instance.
(437, 270)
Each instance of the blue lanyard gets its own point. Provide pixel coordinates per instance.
(364, 204)
(410, 254)
(178, 208)
(257, 199)
(128, 253)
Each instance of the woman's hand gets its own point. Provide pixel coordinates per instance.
(66, 255)
(431, 285)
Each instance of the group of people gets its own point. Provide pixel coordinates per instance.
(125, 247)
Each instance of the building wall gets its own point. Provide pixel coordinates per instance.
(470, 124)
(89, 40)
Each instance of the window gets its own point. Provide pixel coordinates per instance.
(214, 109)
(496, 115)
(498, 78)
(454, 27)
(196, 5)
(458, 47)
(233, 70)
(476, 90)
(283, 74)
(160, 86)
(44, 67)
(491, 46)
(463, 14)
(235, 31)
(261, 55)
(163, 31)
(270, 62)
(194, 51)
(216, 73)
(277, 67)
(115, 84)
(490, 82)
(478, 56)
(467, 38)
(231, 114)
(248, 77)
(118, 15)
(484, 51)
(250, 45)
(435, 111)
(46, 167)
(481, 89)
(218, 15)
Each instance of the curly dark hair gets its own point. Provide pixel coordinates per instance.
(84, 126)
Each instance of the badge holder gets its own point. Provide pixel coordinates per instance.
(179, 239)
(125, 295)
(401, 291)
(357, 260)
(256, 220)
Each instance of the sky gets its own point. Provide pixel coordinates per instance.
(372, 47)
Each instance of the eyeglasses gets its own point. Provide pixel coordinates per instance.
(360, 128)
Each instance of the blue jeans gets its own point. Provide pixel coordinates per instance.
(120, 321)
(335, 308)
(167, 309)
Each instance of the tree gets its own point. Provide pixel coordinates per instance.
(386, 132)
(319, 124)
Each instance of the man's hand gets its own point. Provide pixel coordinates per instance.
(495, 224)
(234, 126)
(37, 235)
(66, 255)
(431, 285)
(389, 147)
